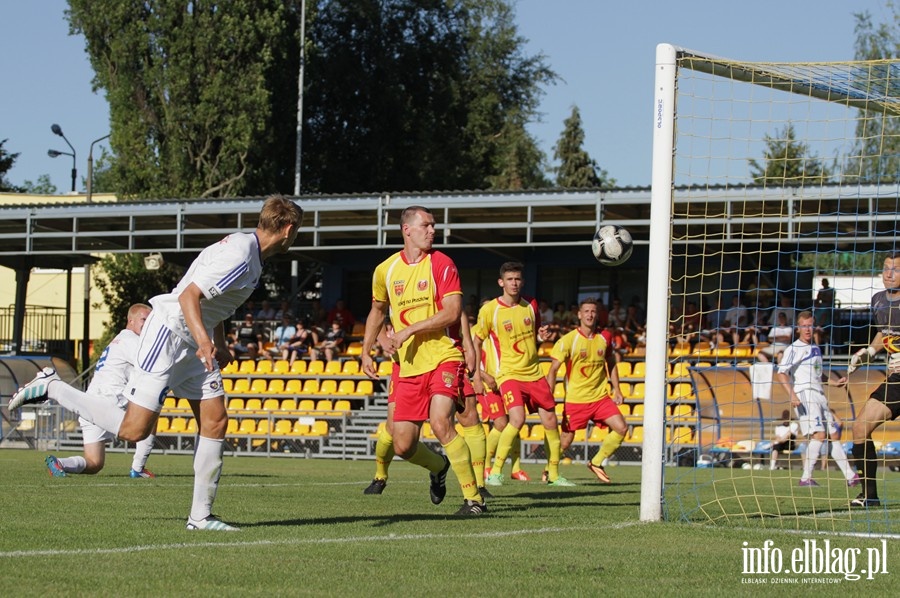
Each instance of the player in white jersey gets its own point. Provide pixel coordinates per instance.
(110, 375)
(183, 347)
(802, 364)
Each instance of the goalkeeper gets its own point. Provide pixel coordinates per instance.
(884, 402)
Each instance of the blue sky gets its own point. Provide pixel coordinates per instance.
(603, 52)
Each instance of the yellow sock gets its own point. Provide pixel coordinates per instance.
(458, 452)
(609, 446)
(551, 442)
(516, 454)
(507, 437)
(427, 458)
(476, 441)
(384, 454)
(493, 439)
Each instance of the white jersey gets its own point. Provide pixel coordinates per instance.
(115, 365)
(226, 273)
(803, 362)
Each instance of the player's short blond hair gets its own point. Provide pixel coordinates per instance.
(277, 212)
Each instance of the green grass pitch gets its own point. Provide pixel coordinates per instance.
(308, 530)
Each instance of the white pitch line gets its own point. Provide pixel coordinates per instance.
(295, 542)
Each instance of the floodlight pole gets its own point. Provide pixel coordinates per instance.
(299, 149)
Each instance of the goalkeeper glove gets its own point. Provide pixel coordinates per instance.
(893, 365)
(859, 358)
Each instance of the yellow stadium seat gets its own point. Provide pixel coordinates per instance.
(191, 426)
(247, 426)
(231, 368)
(683, 435)
(294, 386)
(681, 390)
(307, 405)
(310, 387)
(264, 366)
(346, 387)
(364, 387)
(560, 407)
(299, 367)
(559, 391)
(742, 350)
(544, 349)
(625, 389)
(385, 367)
(702, 349)
(332, 368)
(324, 405)
(328, 387)
(183, 404)
(580, 435)
(170, 403)
(524, 431)
(342, 405)
(227, 385)
(289, 405)
(259, 386)
(253, 405)
(598, 434)
(235, 404)
(315, 367)
(625, 409)
(162, 425)
(319, 428)
(680, 370)
(638, 370)
(177, 425)
(537, 432)
(232, 427)
(702, 364)
(300, 429)
(561, 372)
(359, 329)
(282, 427)
(427, 432)
(276, 386)
(271, 405)
(721, 352)
(350, 368)
(682, 411)
(545, 367)
(241, 386)
(281, 367)
(262, 426)
(624, 369)
(636, 434)
(637, 391)
(248, 366)
(637, 411)
(354, 349)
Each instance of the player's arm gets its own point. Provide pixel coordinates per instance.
(617, 396)
(785, 381)
(189, 300)
(444, 318)
(482, 379)
(468, 346)
(553, 371)
(223, 355)
(374, 326)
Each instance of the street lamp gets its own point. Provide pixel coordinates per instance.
(90, 177)
(57, 130)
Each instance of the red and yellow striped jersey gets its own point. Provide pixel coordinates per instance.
(510, 332)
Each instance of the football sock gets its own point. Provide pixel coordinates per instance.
(516, 454)
(98, 409)
(493, 439)
(475, 439)
(207, 469)
(867, 466)
(810, 457)
(427, 458)
(840, 457)
(142, 453)
(73, 464)
(458, 453)
(507, 437)
(384, 454)
(551, 442)
(612, 441)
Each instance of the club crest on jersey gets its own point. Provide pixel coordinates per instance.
(448, 378)
(583, 353)
(507, 325)
(398, 287)
(528, 321)
(422, 285)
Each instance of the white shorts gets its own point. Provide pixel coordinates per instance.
(165, 361)
(813, 414)
(92, 433)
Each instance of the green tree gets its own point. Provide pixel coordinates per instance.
(194, 90)
(577, 169)
(43, 186)
(7, 160)
(876, 157)
(787, 162)
(123, 281)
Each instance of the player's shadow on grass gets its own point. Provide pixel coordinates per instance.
(376, 520)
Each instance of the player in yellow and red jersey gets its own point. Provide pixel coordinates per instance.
(592, 385)
(419, 288)
(511, 325)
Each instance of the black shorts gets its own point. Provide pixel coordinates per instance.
(787, 445)
(889, 394)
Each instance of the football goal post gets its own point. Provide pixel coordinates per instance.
(767, 179)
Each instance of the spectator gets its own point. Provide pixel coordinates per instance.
(634, 327)
(266, 312)
(546, 312)
(282, 336)
(785, 434)
(824, 310)
(301, 343)
(780, 336)
(340, 312)
(333, 344)
(561, 317)
(618, 342)
(317, 314)
(248, 308)
(284, 310)
(618, 315)
(733, 324)
(247, 338)
(602, 315)
(785, 307)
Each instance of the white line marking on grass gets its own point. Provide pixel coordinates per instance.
(794, 532)
(293, 542)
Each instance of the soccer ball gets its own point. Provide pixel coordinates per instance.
(612, 245)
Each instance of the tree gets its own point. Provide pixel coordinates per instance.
(43, 186)
(787, 162)
(194, 90)
(577, 169)
(6, 163)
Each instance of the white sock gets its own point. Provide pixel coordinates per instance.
(98, 409)
(73, 464)
(840, 457)
(207, 469)
(142, 452)
(773, 461)
(810, 458)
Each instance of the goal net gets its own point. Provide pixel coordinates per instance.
(767, 179)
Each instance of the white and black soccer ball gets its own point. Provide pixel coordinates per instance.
(612, 245)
